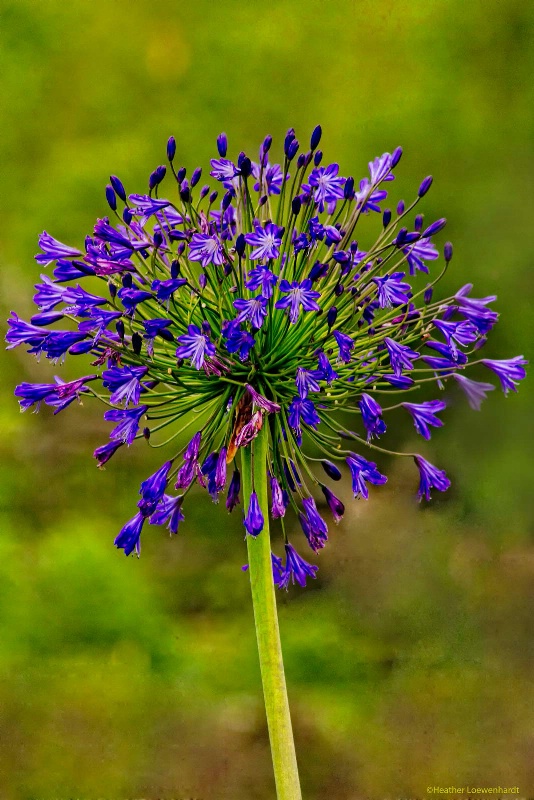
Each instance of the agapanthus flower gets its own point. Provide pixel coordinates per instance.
(274, 313)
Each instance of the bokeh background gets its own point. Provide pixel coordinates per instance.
(409, 660)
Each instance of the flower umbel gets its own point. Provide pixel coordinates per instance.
(267, 312)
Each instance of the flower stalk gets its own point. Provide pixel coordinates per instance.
(254, 471)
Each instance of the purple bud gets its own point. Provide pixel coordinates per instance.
(127, 216)
(119, 188)
(227, 200)
(119, 327)
(331, 470)
(206, 328)
(175, 269)
(301, 160)
(447, 251)
(180, 175)
(296, 205)
(240, 245)
(171, 148)
(348, 189)
(434, 228)
(292, 149)
(425, 186)
(213, 196)
(127, 281)
(396, 157)
(202, 280)
(246, 167)
(146, 433)
(418, 223)
(428, 293)
(319, 270)
(290, 135)
(316, 137)
(185, 192)
(331, 316)
(156, 177)
(158, 239)
(267, 142)
(400, 207)
(386, 217)
(263, 199)
(112, 289)
(111, 198)
(233, 491)
(137, 341)
(339, 289)
(318, 157)
(204, 191)
(334, 503)
(222, 144)
(195, 177)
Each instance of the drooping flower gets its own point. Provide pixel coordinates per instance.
(260, 314)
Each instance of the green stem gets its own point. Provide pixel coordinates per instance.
(254, 468)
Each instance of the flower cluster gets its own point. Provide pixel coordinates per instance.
(227, 309)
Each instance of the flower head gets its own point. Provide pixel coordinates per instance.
(262, 313)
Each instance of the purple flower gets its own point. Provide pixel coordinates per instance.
(254, 518)
(238, 340)
(223, 170)
(59, 394)
(272, 178)
(464, 333)
(379, 169)
(53, 250)
(298, 294)
(363, 472)
(372, 416)
(261, 278)
(475, 390)
(129, 536)
(302, 410)
(334, 503)
(400, 356)
(21, 332)
(296, 569)
(254, 310)
(392, 290)
(474, 309)
(419, 252)
(106, 451)
(328, 186)
(57, 343)
(265, 241)
(165, 289)
(325, 371)
(306, 382)
(169, 511)
(206, 249)
(195, 345)
(153, 489)
(128, 419)
(345, 345)
(424, 415)
(130, 298)
(125, 383)
(508, 370)
(314, 527)
(430, 478)
(262, 402)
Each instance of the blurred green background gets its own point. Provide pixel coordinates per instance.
(409, 660)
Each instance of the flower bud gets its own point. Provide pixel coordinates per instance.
(111, 198)
(267, 142)
(316, 137)
(425, 186)
(222, 144)
(418, 223)
(348, 189)
(137, 342)
(318, 157)
(434, 228)
(296, 205)
(195, 177)
(400, 207)
(180, 175)
(447, 251)
(171, 148)
(386, 217)
(119, 188)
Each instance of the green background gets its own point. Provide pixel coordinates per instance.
(409, 660)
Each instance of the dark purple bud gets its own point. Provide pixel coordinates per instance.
(175, 269)
(246, 167)
(290, 135)
(213, 196)
(119, 188)
(227, 200)
(206, 329)
(318, 157)
(242, 155)
(301, 160)
(222, 144)
(157, 176)
(316, 137)
(425, 186)
(296, 205)
(292, 149)
(111, 198)
(339, 289)
(434, 228)
(267, 142)
(127, 281)
(418, 223)
(180, 249)
(171, 148)
(137, 341)
(195, 177)
(447, 251)
(396, 157)
(185, 192)
(146, 433)
(331, 316)
(319, 270)
(240, 245)
(233, 491)
(428, 293)
(119, 327)
(127, 216)
(331, 470)
(180, 175)
(112, 289)
(348, 189)
(401, 237)
(400, 207)
(158, 239)
(202, 280)
(263, 199)
(204, 191)
(386, 217)
(334, 503)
